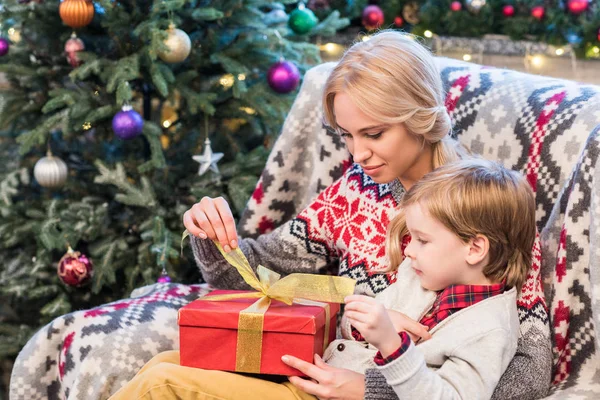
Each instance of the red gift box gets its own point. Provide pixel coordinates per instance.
(208, 333)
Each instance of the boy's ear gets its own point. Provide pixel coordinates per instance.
(479, 248)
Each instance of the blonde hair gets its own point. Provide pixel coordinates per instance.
(476, 197)
(394, 79)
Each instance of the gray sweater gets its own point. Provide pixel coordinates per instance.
(465, 357)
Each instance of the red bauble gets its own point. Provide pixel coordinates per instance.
(578, 6)
(538, 12)
(508, 11)
(398, 21)
(74, 45)
(372, 17)
(598, 37)
(456, 6)
(75, 269)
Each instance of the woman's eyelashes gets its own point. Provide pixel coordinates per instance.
(347, 135)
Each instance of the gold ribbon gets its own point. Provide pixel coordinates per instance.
(307, 289)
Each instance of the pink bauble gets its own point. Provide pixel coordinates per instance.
(372, 17)
(456, 6)
(538, 12)
(75, 269)
(72, 46)
(578, 6)
(508, 10)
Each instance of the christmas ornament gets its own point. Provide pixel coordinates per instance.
(283, 77)
(578, 6)
(456, 6)
(398, 21)
(302, 20)
(164, 277)
(72, 46)
(372, 17)
(4, 46)
(598, 35)
(75, 269)
(50, 171)
(208, 159)
(410, 12)
(318, 5)
(538, 12)
(573, 38)
(475, 6)
(178, 44)
(76, 13)
(127, 123)
(508, 11)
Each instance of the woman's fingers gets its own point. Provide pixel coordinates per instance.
(214, 218)
(201, 220)
(228, 221)
(191, 225)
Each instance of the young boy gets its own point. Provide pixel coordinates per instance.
(472, 228)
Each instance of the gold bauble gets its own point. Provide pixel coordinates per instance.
(76, 13)
(179, 45)
(50, 172)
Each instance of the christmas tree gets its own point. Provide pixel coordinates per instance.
(109, 115)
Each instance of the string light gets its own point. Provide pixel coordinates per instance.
(596, 49)
(248, 110)
(537, 61)
(241, 77)
(560, 52)
(467, 57)
(366, 38)
(86, 126)
(167, 123)
(227, 81)
(428, 34)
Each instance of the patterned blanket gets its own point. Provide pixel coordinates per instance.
(544, 127)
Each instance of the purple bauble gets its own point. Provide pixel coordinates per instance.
(164, 278)
(4, 46)
(127, 123)
(283, 77)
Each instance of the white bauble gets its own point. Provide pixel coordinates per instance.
(50, 172)
(179, 45)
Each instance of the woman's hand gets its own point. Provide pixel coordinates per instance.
(327, 382)
(415, 330)
(212, 219)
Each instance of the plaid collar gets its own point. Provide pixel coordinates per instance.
(456, 297)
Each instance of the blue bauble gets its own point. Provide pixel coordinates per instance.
(127, 123)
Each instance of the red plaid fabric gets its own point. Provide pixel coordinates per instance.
(456, 297)
(447, 302)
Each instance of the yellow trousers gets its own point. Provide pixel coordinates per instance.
(163, 378)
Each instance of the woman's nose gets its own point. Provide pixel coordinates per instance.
(361, 151)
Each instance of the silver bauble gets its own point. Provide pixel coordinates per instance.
(179, 45)
(50, 172)
(475, 6)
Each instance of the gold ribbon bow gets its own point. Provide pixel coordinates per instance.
(307, 289)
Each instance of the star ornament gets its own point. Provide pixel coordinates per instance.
(208, 159)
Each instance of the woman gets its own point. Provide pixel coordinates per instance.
(385, 98)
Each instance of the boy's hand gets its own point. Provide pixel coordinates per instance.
(415, 330)
(371, 319)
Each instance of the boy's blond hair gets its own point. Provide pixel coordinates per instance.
(395, 80)
(476, 197)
